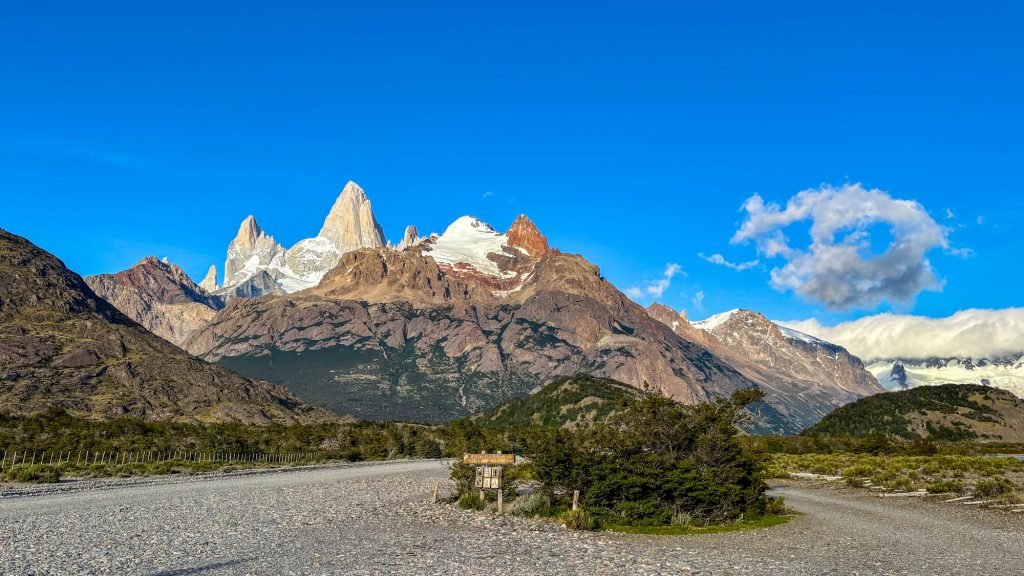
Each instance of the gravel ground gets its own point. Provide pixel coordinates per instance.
(376, 519)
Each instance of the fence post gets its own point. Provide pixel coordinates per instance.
(575, 499)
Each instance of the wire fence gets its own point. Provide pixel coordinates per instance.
(118, 458)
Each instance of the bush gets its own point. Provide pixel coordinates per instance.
(578, 519)
(994, 487)
(38, 473)
(653, 460)
(530, 505)
(946, 486)
(471, 501)
(776, 505)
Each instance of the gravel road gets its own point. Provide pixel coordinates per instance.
(376, 519)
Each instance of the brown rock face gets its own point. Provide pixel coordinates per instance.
(392, 335)
(389, 275)
(804, 378)
(351, 225)
(61, 346)
(524, 234)
(160, 297)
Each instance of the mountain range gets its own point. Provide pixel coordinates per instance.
(973, 346)
(450, 324)
(1005, 372)
(64, 348)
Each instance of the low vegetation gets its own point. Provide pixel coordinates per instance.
(951, 412)
(178, 448)
(981, 475)
(571, 401)
(651, 462)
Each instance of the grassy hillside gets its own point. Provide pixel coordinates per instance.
(569, 402)
(947, 412)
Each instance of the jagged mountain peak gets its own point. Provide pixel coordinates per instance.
(524, 234)
(248, 232)
(668, 316)
(409, 239)
(158, 295)
(350, 223)
(209, 282)
(712, 322)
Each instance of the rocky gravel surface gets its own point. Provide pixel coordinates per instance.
(378, 519)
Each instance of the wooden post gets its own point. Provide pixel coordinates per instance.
(501, 501)
(575, 499)
(435, 492)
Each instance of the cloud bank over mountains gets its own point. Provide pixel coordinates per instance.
(976, 333)
(838, 267)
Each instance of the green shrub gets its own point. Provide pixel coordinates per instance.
(994, 487)
(471, 501)
(900, 483)
(529, 505)
(578, 519)
(37, 473)
(655, 459)
(946, 486)
(776, 506)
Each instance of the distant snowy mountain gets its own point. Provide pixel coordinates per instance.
(257, 264)
(471, 249)
(901, 374)
(783, 361)
(970, 347)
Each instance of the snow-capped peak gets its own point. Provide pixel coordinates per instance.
(468, 226)
(715, 321)
(468, 241)
(797, 335)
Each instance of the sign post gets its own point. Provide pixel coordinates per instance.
(490, 471)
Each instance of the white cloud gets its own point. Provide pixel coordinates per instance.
(721, 261)
(657, 287)
(698, 300)
(950, 214)
(634, 292)
(838, 267)
(975, 333)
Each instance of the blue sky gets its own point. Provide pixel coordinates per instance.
(630, 134)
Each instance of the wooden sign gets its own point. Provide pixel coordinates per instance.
(489, 477)
(489, 459)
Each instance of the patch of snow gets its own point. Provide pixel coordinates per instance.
(715, 321)
(790, 333)
(469, 241)
(290, 284)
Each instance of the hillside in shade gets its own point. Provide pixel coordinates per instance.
(62, 347)
(946, 412)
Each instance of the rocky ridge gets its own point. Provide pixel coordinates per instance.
(63, 347)
(160, 297)
(784, 363)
